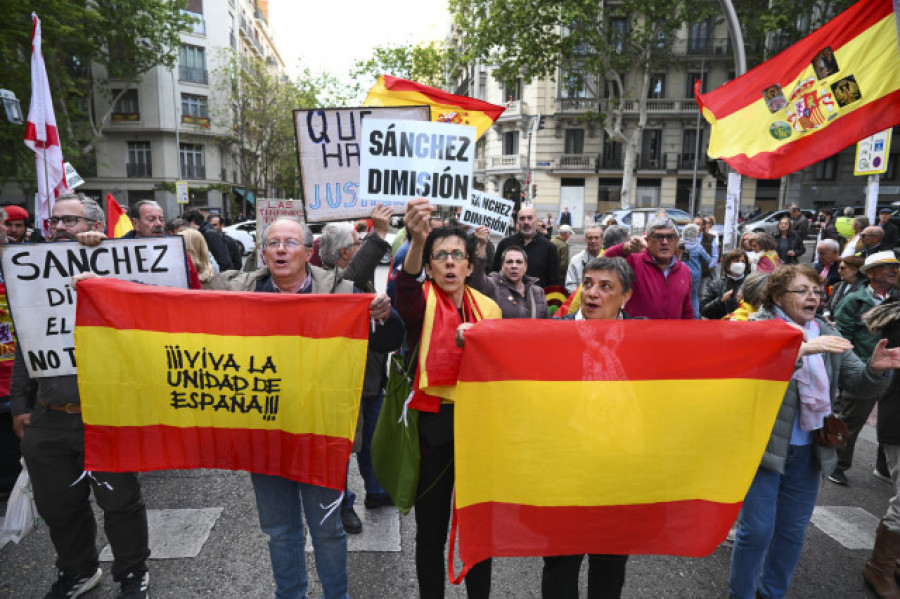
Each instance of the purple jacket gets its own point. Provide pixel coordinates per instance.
(654, 295)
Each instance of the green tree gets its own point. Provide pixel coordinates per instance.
(85, 45)
(423, 63)
(586, 45)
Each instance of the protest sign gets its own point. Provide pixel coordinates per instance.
(404, 160)
(493, 212)
(266, 213)
(42, 300)
(328, 143)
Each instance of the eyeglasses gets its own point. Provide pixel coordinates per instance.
(442, 255)
(670, 237)
(68, 220)
(805, 292)
(288, 244)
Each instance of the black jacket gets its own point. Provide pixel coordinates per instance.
(217, 248)
(712, 306)
(794, 242)
(543, 259)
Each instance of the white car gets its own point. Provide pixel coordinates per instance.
(245, 234)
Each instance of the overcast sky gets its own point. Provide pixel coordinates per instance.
(332, 34)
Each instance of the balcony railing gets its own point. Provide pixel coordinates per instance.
(664, 105)
(580, 162)
(125, 117)
(193, 75)
(513, 108)
(480, 164)
(711, 46)
(652, 163)
(199, 25)
(577, 105)
(507, 163)
(686, 161)
(139, 169)
(193, 171)
(614, 162)
(200, 121)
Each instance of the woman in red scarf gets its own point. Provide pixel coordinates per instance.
(433, 311)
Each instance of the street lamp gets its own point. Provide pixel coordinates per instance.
(11, 106)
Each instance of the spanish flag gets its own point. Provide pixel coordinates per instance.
(834, 87)
(117, 222)
(445, 107)
(637, 437)
(264, 382)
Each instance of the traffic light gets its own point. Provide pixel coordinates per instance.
(534, 190)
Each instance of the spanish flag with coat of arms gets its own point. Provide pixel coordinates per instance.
(616, 437)
(831, 89)
(264, 382)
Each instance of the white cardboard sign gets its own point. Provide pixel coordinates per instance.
(402, 160)
(328, 143)
(38, 281)
(490, 211)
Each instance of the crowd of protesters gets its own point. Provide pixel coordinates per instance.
(445, 279)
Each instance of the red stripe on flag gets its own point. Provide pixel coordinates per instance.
(645, 354)
(125, 305)
(316, 459)
(402, 85)
(866, 120)
(787, 65)
(512, 530)
(51, 131)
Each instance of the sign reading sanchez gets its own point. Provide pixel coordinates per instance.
(42, 301)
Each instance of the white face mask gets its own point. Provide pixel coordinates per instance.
(736, 269)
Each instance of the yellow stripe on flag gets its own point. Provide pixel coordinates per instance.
(307, 374)
(611, 442)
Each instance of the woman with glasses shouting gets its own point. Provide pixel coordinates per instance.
(437, 312)
(780, 502)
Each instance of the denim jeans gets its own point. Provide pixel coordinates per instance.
(370, 408)
(279, 501)
(773, 524)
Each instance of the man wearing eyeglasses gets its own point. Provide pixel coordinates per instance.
(52, 434)
(281, 503)
(881, 268)
(871, 239)
(662, 283)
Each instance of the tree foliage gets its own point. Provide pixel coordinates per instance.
(423, 63)
(86, 43)
(583, 44)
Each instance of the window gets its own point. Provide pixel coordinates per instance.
(139, 159)
(574, 141)
(195, 9)
(193, 164)
(689, 148)
(573, 85)
(510, 143)
(657, 86)
(512, 90)
(699, 37)
(618, 33)
(611, 88)
(651, 145)
(194, 110)
(689, 84)
(826, 170)
(127, 107)
(193, 64)
(612, 153)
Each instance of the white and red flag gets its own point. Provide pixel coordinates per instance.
(42, 136)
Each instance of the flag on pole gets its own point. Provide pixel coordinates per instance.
(834, 87)
(445, 107)
(607, 448)
(117, 222)
(42, 136)
(263, 382)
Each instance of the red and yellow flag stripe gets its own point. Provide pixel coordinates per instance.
(638, 436)
(819, 114)
(268, 383)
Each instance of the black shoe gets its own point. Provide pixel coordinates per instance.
(352, 523)
(838, 477)
(134, 586)
(885, 476)
(377, 501)
(69, 587)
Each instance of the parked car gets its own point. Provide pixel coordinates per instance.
(767, 222)
(639, 217)
(245, 234)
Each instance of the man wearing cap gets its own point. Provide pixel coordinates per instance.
(891, 232)
(881, 268)
(561, 241)
(16, 229)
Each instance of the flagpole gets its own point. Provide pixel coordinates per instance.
(733, 191)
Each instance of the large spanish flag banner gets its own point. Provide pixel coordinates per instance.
(834, 87)
(637, 437)
(264, 382)
(445, 107)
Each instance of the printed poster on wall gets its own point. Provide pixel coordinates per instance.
(329, 148)
(38, 281)
(402, 160)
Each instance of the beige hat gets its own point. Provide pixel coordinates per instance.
(879, 258)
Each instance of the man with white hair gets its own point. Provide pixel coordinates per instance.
(338, 244)
(561, 241)
(828, 254)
